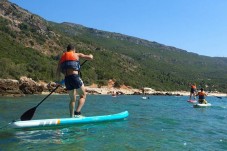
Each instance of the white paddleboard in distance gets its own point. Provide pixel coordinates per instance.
(145, 97)
(68, 121)
(202, 105)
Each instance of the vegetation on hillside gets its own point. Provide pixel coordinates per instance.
(31, 46)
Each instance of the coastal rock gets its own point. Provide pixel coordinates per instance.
(29, 86)
(92, 91)
(52, 85)
(10, 87)
(137, 93)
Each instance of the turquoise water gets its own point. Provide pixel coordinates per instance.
(160, 123)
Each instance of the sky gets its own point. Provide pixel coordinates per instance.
(198, 26)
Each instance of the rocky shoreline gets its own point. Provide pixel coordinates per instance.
(24, 86)
(27, 86)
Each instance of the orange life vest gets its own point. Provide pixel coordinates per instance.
(193, 87)
(201, 95)
(69, 56)
(69, 61)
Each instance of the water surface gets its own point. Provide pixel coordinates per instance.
(159, 123)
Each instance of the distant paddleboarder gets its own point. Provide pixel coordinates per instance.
(193, 91)
(202, 95)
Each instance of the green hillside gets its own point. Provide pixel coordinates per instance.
(31, 46)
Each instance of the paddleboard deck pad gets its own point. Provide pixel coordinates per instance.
(68, 121)
(202, 105)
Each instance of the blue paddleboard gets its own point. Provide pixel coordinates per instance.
(68, 121)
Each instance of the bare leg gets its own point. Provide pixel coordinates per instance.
(72, 95)
(82, 94)
(194, 96)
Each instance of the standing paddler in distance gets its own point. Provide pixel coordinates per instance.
(192, 91)
(69, 65)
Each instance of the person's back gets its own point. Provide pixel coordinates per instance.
(201, 95)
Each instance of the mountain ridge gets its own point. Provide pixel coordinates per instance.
(129, 60)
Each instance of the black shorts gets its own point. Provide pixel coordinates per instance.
(73, 82)
(193, 90)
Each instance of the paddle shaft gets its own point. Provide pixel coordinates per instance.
(29, 113)
(83, 62)
(48, 95)
(219, 97)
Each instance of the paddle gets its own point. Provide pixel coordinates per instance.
(83, 62)
(219, 97)
(81, 66)
(29, 113)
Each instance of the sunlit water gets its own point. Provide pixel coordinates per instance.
(160, 123)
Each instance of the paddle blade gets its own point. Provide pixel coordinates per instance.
(28, 114)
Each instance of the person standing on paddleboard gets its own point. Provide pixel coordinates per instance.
(69, 65)
(201, 95)
(193, 91)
